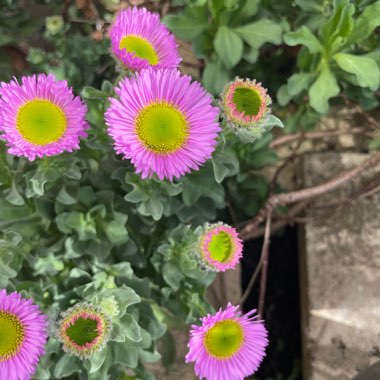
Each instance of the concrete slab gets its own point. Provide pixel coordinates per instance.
(340, 277)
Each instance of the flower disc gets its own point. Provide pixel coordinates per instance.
(11, 335)
(41, 122)
(224, 339)
(140, 48)
(247, 100)
(161, 127)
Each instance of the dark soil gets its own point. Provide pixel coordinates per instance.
(282, 304)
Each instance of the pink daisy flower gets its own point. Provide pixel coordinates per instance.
(163, 123)
(220, 247)
(40, 117)
(84, 330)
(139, 40)
(228, 345)
(22, 336)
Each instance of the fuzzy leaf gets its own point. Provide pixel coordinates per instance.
(97, 360)
(324, 88)
(224, 166)
(89, 92)
(364, 68)
(189, 24)
(304, 37)
(14, 196)
(366, 23)
(215, 76)
(172, 275)
(66, 366)
(259, 32)
(130, 328)
(229, 46)
(299, 82)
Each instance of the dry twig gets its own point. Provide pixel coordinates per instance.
(264, 270)
(264, 255)
(283, 199)
(287, 139)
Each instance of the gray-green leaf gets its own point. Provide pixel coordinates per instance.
(215, 76)
(66, 366)
(189, 24)
(229, 46)
(303, 36)
(130, 328)
(366, 23)
(259, 32)
(324, 88)
(364, 68)
(298, 82)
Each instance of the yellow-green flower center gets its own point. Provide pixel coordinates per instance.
(221, 247)
(140, 47)
(11, 335)
(161, 127)
(224, 339)
(247, 100)
(83, 331)
(41, 122)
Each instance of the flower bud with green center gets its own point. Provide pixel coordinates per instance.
(245, 107)
(218, 247)
(84, 330)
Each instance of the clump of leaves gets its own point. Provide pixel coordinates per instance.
(337, 56)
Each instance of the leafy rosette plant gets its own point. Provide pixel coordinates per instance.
(336, 53)
(118, 247)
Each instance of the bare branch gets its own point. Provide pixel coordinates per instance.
(264, 270)
(350, 104)
(287, 139)
(259, 265)
(304, 194)
(284, 221)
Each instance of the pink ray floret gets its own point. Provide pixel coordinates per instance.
(244, 362)
(165, 85)
(138, 22)
(13, 95)
(237, 248)
(22, 365)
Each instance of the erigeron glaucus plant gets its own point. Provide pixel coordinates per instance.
(117, 247)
